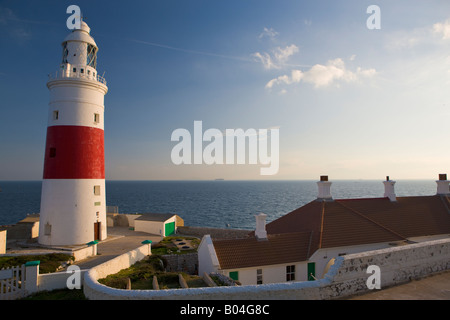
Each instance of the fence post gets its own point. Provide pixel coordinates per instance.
(32, 276)
(93, 244)
(149, 242)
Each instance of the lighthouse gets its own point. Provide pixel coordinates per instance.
(73, 209)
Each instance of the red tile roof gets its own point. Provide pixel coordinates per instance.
(362, 221)
(249, 252)
(326, 224)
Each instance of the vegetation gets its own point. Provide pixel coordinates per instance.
(141, 276)
(62, 294)
(49, 262)
(167, 245)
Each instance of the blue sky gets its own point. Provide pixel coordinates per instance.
(349, 102)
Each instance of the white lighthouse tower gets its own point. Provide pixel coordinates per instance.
(73, 209)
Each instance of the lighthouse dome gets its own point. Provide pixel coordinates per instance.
(81, 34)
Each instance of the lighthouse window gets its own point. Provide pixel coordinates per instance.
(52, 152)
(55, 115)
(82, 70)
(65, 53)
(97, 190)
(96, 118)
(91, 56)
(74, 70)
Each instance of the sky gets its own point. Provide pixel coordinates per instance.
(348, 100)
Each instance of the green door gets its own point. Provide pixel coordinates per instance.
(169, 229)
(234, 275)
(311, 271)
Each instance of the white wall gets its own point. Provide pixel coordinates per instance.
(322, 256)
(69, 206)
(153, 227)
(3, 242)
(346, 277)
(271, 273)
(207, 258)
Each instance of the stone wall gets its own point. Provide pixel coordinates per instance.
(215, 233)
(187, 262)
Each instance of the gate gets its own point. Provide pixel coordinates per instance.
(12, 283)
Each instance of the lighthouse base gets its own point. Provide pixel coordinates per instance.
(73, 212)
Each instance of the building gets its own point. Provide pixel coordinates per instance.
(163, 224)
(303, 244)
(73, 198)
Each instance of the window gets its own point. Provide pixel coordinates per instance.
(74, 69)
(97, 190)
(55, 115)
(65, 53)
(91, 58)
(259, 276)
(96, 117)
(52, 152)
(290, 273)
(81, 70)
(48, 229)
(97, 203)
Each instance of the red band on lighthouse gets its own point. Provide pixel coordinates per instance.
(74, 152)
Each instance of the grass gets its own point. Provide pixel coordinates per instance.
(166, 246)
(61, 294)
(141, 276)
(49, 262)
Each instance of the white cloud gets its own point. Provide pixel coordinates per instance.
(323, 75)
(422, 36)
(278, 58)
(282, 55)
(266, 60)
(268, 33)
(442, 29)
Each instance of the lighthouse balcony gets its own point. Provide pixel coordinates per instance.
(75, 72)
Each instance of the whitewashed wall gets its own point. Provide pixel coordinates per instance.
(346, 277)
(270, 274)
(3, 241)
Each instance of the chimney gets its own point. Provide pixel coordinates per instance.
(324, 189)
(389, 191)
(443, 185)
(260, 231)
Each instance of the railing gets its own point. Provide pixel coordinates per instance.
(62, 74)
(112, 209)
(12, 283)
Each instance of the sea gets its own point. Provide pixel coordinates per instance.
(216, 204)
